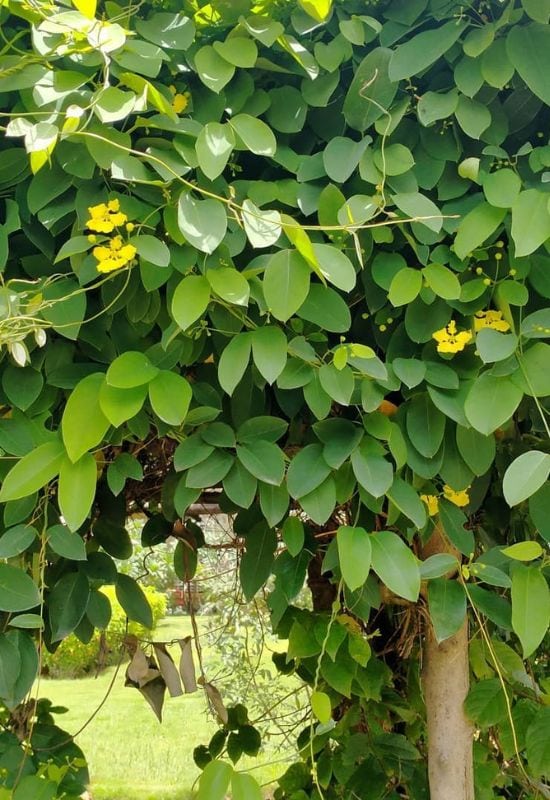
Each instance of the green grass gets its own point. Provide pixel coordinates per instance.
(131, 755)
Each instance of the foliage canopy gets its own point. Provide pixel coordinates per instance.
(297, 253)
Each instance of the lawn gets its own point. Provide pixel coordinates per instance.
(131, 755)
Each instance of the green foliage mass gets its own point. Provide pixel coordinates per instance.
(299, 253)
(75, 658)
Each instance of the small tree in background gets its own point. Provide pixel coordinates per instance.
(290, 259)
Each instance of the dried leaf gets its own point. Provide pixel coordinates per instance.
(143, 675)
(187, 666)
(168, 670)
(154, 694)
(216, 702)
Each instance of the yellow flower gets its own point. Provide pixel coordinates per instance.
(180, 102)
(449, 341)
(432, 503)
(105, 217)
(129, 227)
(460, 499)
(115, 256)
(490, 319)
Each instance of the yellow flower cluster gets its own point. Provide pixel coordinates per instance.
(460, 499)
(449, 340)
(115, 256)
(105, 217)
(490, 319)
(180, 100)
(431, 502)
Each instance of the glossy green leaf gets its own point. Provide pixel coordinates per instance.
(395, 565)
(286, 283)
(530, 607)
(18, 592)
(67, 604)
(33, 471)
(190, 300)
(133, 600)
(76, 489)
(354, 555)
(170, 396)
(264, 460)
(447, 604)
(525, 475)
(202, 222)
(129, 370)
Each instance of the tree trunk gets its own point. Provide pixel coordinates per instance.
(446, 682)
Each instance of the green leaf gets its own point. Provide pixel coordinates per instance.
(536, 325)
(190, 300)
(486, 704)
(84, 424)
(335, 266)
(491, 402)
(417, 206)
(528, 49)
(210, 471)
(257, 559)
(240, 486)
(373, 472)
(33, 471)
(293, 535)
(214, 781)
(170, 396)
(395, 565)
(321, 706)
(234, 361)
(214, 146)
(523, 551)
(202, 222)
(66, 544)
(16, 540)
(18, 592)
(307, 471)
(447, 604)
(438, 565)
(530, 221)
(405, 498)
(354, 555)
(453, 521)
(423, 50)
(319, 504)
(476, 227)
(22, 385)
(263, 228)
(537, 743)
(244, 787)
(173, 31)
(133, 600)
(326, 308)
(213, 70)
(525, 475)
(495, 346)
(112, 104)
(152, 249)
(229, 284)
(478, 451)
(67, 604)
(120, 405)
(264, 460)
(472, 116)
(433, 106)
(129, 370)
(286, 283)
(341, 157)
(425, 425)
(530, 607)
(254, 135)
(337, 383)
(76, 489)
(442, 281)
(238, 50)
(502, 188)
(273, 502)
(269, 350)
(371, 91)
